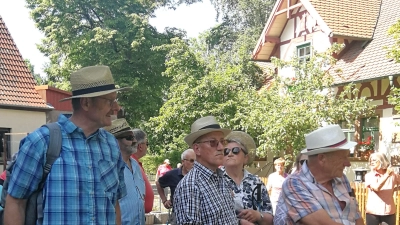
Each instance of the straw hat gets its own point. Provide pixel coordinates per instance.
(204, 126)
(246, 141)
(92, 81)
(327, 139)
(119, 127)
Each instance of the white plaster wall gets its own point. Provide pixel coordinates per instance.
(320, 41)
(20, 121)
(287, 33)
(387, 127)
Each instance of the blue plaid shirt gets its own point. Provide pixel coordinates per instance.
(132, 205)
(84, 183)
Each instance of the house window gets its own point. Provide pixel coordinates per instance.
(304, 52)
(5, 144)
(349, 131)
(370, 129)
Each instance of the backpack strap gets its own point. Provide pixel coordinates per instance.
(52, 154)
(53, 150)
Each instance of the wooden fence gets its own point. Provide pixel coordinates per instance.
(361, 194)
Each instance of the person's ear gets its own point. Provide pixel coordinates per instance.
(196, 149)
(85, 103)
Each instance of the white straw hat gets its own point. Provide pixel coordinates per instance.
(204, 126)
(246, 141)
(92, 81)
(327, 139)
(119, 127)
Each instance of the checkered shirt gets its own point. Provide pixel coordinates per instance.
(303, 196)
(203, 197)
(84, 183)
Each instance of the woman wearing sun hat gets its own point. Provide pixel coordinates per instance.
(240, 151)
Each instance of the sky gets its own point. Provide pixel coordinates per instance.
(195, 19)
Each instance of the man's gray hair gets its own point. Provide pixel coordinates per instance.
(140, 137)
(183, 155)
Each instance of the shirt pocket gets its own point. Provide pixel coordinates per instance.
(109, 179)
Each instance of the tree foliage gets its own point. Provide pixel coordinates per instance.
(38, 79)
(277, 116)
(113, 33)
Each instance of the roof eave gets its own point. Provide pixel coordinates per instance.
(25, 107)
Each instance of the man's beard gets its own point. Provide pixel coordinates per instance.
(130, 149)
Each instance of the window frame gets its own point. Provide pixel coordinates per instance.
(304, 58)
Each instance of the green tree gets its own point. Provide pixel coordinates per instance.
(277, 116)
(39, 80)
(113, 33)
(299, 101)
(202, 85)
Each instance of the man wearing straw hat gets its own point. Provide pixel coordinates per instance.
(320, 193)
(202, 196)
(132, 205)
(86, 181)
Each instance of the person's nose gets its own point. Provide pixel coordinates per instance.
(347, 163)
(116, 107)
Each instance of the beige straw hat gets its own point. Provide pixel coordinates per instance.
(204, 126)
(119, 127)
(246, 141)
(92, 81)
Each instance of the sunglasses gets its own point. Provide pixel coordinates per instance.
(128, 138)
(214, 143)
(235, 151)
(302, 161)
(190, 160)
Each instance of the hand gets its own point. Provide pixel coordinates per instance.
(167, 204)
(389, 171)
(250, 215)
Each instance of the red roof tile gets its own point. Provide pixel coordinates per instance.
(350, 18)
(17, 85)
(368, 60)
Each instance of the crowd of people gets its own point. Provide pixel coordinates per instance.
(99, 179)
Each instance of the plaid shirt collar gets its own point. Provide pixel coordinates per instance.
(206, 172)
(70, 128)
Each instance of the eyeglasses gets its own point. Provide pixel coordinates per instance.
(111, 101)
(128, 138)
(190, 160)
(235, 151)
(214, 143)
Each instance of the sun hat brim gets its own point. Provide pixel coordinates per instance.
(122, 133)
(189, 139)
(347, 146)
(96, 94)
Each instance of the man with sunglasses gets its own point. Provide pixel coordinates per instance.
(140, 150)
(132, 174)
(171, 179)
(203, 196)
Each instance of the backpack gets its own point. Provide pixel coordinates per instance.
(34, 204)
